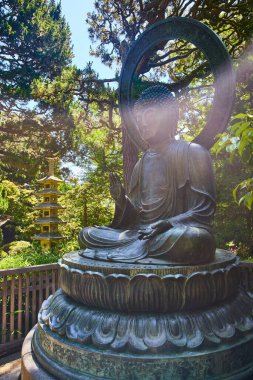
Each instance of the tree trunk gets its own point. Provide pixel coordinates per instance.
(130, 157)
(130, 151)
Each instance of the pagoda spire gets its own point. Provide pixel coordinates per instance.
(51, 168)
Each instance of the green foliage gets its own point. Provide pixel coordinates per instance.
(85, 204)
(35, 43)
(20, 201)
(3, 199)
(246, 190)
(31, 255)
(14, 262)
(238, 140)
(231, 223)
(62, 87)
(113, 22)
(17, 247)
(235, 184)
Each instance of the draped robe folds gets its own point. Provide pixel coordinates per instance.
(174, 183)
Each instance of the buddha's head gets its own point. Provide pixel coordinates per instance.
(156, 113)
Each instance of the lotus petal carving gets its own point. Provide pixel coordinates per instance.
(146, 332)
(150, 292)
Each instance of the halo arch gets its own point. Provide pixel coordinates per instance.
(205, 39)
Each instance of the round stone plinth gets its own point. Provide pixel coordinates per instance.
(149, 288)
(30, 368)
(231, 361)
(222, 259)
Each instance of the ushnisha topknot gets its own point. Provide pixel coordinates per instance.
(155, 95)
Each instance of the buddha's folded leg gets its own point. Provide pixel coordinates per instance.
(183, 244)
(90, 237)
(105, 243)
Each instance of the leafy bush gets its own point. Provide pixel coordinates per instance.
(14, 262)
(3, 254)
(28, 256)
(16, 247)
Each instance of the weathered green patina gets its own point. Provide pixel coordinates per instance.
(166, 215)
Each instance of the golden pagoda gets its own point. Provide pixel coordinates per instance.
(49, 219)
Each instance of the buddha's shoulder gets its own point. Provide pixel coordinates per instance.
(185, 150)
(198, 150)
(192, 147)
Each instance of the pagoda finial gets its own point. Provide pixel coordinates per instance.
(52, 162)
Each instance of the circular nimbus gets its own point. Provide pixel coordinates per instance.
(219, 60)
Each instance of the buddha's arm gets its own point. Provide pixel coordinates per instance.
(200, 210)
(199, 190)
(126, 208)
(199, 214)
(125, 214)
(196, 193)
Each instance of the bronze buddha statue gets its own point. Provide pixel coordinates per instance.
(166, 216)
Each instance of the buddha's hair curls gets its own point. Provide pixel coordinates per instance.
(155, 95)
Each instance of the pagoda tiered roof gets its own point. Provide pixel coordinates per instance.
(48, 205)
(49, 192)
(48, 236)
(49, 220)
(50, 178)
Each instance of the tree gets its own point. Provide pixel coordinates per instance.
(86, 204)
(232, 223)
(35, 43)
(19, 207)
(28, 139)
(236, 144)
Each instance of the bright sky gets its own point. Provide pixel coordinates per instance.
(75, 12)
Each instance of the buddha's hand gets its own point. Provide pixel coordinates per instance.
(154, 229)
(116, 189)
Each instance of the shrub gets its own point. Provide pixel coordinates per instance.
(27, 256)
(16, 247)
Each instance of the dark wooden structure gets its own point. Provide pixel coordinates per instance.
(22, 291)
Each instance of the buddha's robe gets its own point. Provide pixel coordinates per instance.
(173, 183)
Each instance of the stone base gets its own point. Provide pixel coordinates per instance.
(135, 288)
(143, 322)
(143, 333)
(232, 361)
(30, 368)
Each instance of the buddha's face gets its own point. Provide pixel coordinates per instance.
(148, 120)
(154, 123)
